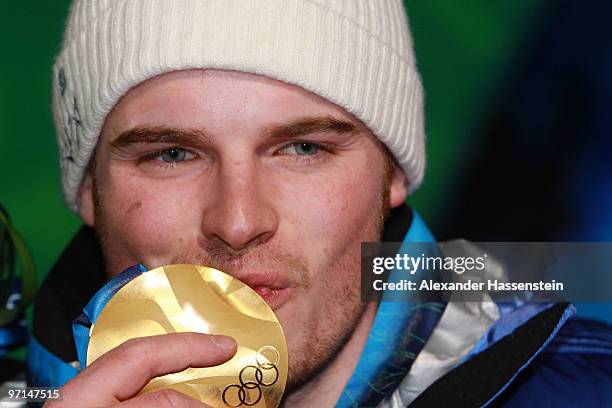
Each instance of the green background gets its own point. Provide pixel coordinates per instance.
(461, 47)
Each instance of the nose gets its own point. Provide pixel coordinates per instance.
(241, 214)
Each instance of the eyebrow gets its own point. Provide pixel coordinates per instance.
(179, 136)
(307, 126)
(159, 134)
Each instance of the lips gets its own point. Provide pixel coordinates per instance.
(273, 288)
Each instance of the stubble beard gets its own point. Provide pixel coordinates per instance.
(344, 305)
(324, 337)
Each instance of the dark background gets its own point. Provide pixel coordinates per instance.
(518, 94)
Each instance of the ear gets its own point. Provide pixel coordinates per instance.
(86, 200)
(399, 187)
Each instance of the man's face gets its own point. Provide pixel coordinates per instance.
(251, 176)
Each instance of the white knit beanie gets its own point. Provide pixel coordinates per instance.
(355, 53)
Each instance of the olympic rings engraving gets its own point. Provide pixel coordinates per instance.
(244, 394)
(267, 348)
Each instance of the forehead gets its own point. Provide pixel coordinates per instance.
(205, 98)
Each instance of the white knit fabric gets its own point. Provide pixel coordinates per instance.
(355, 53)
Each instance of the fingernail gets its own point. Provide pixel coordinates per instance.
(223, 342)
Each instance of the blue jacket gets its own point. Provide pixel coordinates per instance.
(525, 354)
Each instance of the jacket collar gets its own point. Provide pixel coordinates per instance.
(486, 374)
(74, 279)
(398, 334)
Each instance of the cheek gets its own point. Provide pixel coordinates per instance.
(148, 220)
(331, 215)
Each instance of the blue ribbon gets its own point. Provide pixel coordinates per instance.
(81, 326)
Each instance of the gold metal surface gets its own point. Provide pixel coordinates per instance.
(190, 298)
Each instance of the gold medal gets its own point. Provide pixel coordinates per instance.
(190, 298)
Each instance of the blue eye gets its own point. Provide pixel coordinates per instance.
(174, 155)
(305, 149)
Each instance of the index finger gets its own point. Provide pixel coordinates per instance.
(122, 372)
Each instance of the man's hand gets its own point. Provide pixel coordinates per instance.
(117, 376)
